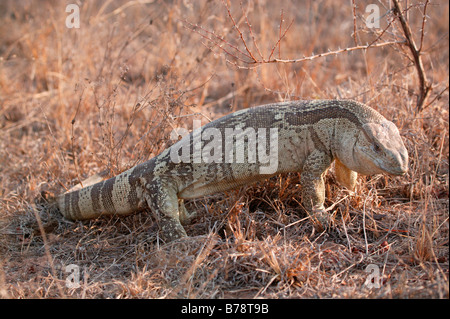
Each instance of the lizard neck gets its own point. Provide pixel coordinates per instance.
(343, 144)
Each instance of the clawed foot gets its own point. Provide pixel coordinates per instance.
(185, 217)
(171, 229)
(321, 220)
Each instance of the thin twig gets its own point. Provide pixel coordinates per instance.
(364, 223)
(72, 124)
(251, 33)
(382, 32)
(195, 27)
(279, 40)
(312, 57)
(354, 23)
(436, 97)
(424, 19)
(239, 31)
(279, 34)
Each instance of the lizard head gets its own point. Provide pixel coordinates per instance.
(380, 149)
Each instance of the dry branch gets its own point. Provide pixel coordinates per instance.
(321, 55)
(250, 58)
(424, 85)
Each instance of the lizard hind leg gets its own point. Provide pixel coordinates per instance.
(185, 216)
(164, 203)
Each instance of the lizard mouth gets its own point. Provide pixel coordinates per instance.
(399, 171)
(391, 170)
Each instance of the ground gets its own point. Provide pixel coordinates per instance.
(103, 97)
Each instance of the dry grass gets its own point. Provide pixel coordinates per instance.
(75, 102)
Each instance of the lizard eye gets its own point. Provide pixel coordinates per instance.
(376, 147)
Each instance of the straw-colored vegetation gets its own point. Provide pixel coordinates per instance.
(105, 96)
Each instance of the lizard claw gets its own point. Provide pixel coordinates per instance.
(321, 220)
(171, 229)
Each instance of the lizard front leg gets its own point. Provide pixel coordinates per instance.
(313, 186)
(345, 176)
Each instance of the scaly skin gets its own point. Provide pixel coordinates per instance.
(307, 136)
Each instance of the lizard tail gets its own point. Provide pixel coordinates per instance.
(113, 196)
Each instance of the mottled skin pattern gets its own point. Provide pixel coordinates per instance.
(311, 135)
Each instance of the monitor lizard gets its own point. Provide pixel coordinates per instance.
(299, 136)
